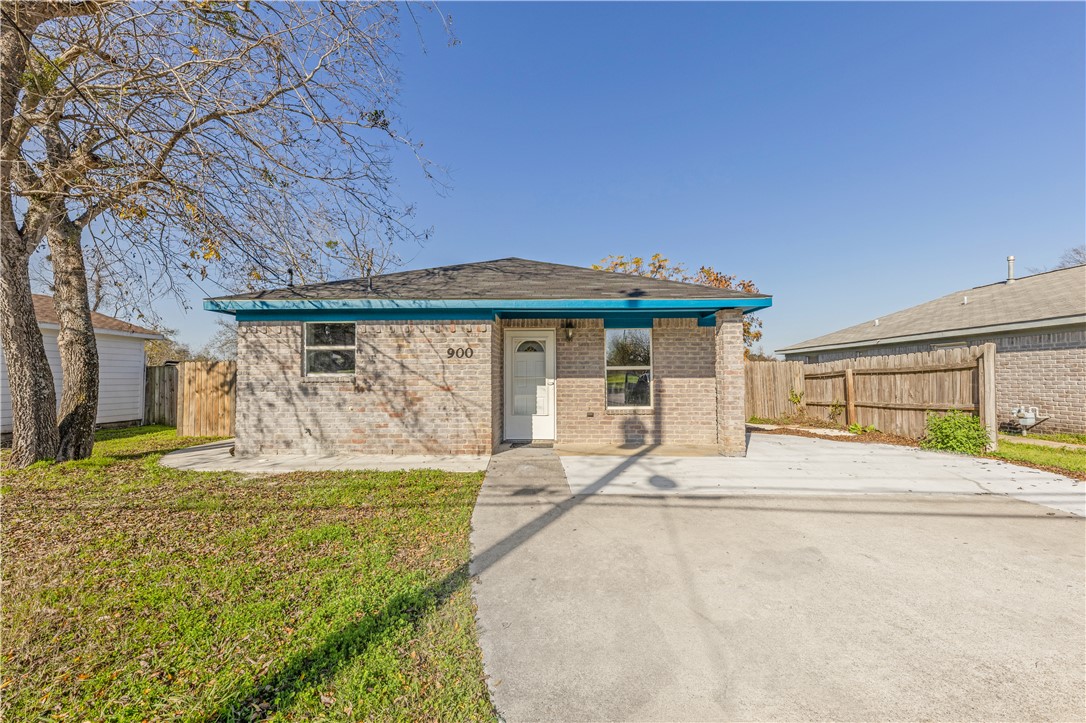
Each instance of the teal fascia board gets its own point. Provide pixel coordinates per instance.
(477, 309)
(627, 322)
(362, 315)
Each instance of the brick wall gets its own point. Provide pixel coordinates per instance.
(407, 396)
(730, 384)
(685, 386)
(1044, 370)
(1047, 371)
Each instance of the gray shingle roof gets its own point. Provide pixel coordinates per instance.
(510, 278)
(45, 313)
(1042, 297)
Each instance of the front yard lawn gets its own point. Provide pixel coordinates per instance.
(136, 592)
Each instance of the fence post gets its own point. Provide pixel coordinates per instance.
(850, 398)
(180, 405)
(986, 398)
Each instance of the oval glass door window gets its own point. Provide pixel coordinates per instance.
(529, 379)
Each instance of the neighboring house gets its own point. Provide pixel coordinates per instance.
(121, 359)
(458, 359)
(1038, 324)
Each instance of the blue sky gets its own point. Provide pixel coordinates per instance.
(851, 159)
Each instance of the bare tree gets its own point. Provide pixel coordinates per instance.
(223, 344)
(1074, 256)
(188, 140)
(166, 349)
(109, 292)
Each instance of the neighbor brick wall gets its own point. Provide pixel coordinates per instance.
(406, 397)
(1046, 370)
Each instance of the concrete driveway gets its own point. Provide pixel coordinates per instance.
(788, 465)
(772, 604)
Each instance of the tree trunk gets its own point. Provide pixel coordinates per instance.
(33, 398)
(78, 350)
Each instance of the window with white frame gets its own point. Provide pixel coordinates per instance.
(629, 367)
(329, 349)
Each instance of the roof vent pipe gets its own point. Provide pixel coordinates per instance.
(876, 322)
(1010, 269)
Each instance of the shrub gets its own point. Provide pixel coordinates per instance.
(956, 431)
(835, 410)
(860, 429)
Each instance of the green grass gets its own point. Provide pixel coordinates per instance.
(1065, 437)
(1061, 458)
(133, 591)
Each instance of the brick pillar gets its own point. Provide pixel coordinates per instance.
(731, 437)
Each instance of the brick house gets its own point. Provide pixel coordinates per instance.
(1038, 324)
(458, 359)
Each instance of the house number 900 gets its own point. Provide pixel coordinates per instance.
(460, 352)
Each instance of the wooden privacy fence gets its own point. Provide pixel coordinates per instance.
(196, 396)
(769, 384)
(890, 393)
(160, 395)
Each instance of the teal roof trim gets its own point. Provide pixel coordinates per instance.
(426, 309)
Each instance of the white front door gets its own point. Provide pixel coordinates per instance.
(529, 384)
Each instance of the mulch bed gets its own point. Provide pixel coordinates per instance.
(868, 437)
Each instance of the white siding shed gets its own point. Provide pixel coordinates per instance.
(122, 361)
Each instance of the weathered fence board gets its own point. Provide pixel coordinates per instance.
(768, 385)
(195, 396)
(890, 393)
(160, 396)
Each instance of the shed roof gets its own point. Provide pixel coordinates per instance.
(501, 279)
(46, 313)
(1042, 300)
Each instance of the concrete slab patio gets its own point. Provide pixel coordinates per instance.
(788, 465)
(216, 457)
(773, 604)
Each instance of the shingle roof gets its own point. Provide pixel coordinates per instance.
(45, 313)
(509, 279)
(1043, 297)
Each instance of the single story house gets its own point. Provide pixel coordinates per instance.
(1038, 324)
(458, 359)
(122, 361)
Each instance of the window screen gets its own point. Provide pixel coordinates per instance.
(329, 349)
(629, 367)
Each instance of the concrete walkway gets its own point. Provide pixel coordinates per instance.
(216, 457)
(782, 464)
(773, 606)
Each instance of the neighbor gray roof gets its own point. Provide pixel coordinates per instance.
(45, 313)
(510, 278)
(1052, 298)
